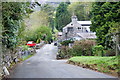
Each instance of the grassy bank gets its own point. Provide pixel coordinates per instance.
(102, 64)
(26, 57)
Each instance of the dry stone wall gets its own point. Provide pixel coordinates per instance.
(9, 57)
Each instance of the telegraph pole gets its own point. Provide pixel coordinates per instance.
(117, 43)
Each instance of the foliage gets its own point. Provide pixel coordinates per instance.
(78, 49)
(83, 47)
(104, 16)
(37, 25)
(98, 50)
(65, 52)
(26, 57)
(41, 32)
(44, 31)
(36, 19)
(24, 47)
(113, 32)
(103, 64)
(12, 21)
(48, 9)
(81, 10)
(55, 34)
(66, 42)
(62, 17)
(109, 52)
(50, 12)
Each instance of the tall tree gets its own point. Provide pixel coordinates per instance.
(81, 10)
(104, 16)
(50, 11)
(36, 19)
(12, 21)
(62, 16)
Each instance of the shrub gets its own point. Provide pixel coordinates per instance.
(83, 47)
(110, 52)
(98, 50)
(66, 42)
(24, 47)
(42, 32)
(65, 52)
(79, 48)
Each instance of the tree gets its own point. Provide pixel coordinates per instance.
(41, 32)
(36, 19)
(62, 17)
(50, 12)
(12, 21)
(114, 33)
(104, 16)
(81, 10)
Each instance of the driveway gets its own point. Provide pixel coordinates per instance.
(44, 65)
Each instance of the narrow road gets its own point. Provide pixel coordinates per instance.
(44, 65)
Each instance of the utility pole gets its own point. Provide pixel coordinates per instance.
(117, 43)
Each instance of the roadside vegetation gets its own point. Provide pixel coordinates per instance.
(102, 64)
(79, 48)
(101, 54)
(26, 57)
(20, 24)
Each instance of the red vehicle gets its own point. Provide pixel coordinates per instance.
(31, 44)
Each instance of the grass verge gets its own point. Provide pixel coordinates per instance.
(102, 64)
(26, 57)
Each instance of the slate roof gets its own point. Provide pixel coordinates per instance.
(87, 35)
(84, 22)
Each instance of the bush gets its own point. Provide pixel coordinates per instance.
(79, 48)
(42, 32)
(110, 52)
(65, 52)
(24, 47)
(98, 50)
(83, 47)
(66, 42)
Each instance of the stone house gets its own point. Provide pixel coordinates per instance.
(79, 29)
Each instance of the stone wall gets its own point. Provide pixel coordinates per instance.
(9, 57)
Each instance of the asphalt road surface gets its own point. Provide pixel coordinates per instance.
(44, 65)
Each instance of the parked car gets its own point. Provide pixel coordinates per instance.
(31, 44)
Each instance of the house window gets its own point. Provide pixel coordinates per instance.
(79, 28)
(70, 29)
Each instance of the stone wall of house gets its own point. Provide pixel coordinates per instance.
(69, 35)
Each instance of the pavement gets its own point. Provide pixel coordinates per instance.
(44, 65)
